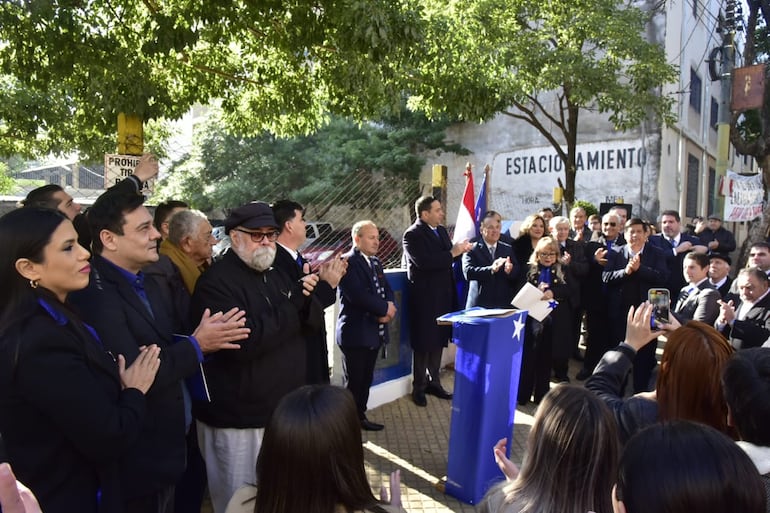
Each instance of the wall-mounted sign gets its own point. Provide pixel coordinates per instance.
(606, 171)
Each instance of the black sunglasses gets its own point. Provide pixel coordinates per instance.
(260, 236)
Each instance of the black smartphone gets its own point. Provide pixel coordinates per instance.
(660, 299)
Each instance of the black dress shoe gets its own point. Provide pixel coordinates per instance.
(368, 425)
(438, 391)
(419, 399)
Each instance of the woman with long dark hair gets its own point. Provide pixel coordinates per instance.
(68, 408)
(570, 462)
(312, 458)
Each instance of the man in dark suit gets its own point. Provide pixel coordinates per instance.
(429, 253)
(128, 313)
(290, 217)
(246, 385)
(719, 271)
(593, 292)
(746, 323)
(697, 300)
(367, 305)
(629, 274)
(675, 245)
(490, 267)
(578, 229)
(718, 238)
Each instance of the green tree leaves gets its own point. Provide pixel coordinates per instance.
(225, 170)
(67, 68)
(511, 56)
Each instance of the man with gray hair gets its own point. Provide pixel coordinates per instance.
(367, 305)
(594, 292)
(578, 229)
(747, 323)
(246, 385)
(184, 255)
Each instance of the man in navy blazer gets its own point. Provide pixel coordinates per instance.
(675, 245)
(429, 253)
(490, 267)
(290, 217)
(629, 274)
(129, 312)
(367, 305)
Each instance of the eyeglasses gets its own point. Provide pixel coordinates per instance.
(547, 254)
(609, 224)
(260, 236)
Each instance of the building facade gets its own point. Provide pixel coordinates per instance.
(651, 167)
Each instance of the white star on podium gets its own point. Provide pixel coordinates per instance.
(517, 327)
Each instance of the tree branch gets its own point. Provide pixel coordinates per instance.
(532, 120)
(151, 6)
(185, 58)
(547, 114)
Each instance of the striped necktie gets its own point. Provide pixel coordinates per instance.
(374, 263)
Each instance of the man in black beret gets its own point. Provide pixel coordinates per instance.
(246, 384)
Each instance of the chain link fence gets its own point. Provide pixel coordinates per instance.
(330, 215)
(387, 201)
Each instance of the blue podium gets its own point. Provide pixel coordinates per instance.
(486, 383)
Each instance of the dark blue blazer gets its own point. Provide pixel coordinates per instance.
(626, 290)
(676, 279)
(361, 304)
(485, 288)
(116, 312)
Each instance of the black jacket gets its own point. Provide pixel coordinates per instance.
(485, 288)
(608, 382)
(114, 309)
(66, 421)
(432, 291)
(626, 290)
(246, 384)
(325, 296)
(754, 329)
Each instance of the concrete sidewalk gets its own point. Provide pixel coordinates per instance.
(415, 440)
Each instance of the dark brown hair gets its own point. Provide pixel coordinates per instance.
(315, 433)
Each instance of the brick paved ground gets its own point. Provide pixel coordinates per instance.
(415, 440)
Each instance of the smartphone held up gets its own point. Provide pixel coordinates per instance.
(660, 299)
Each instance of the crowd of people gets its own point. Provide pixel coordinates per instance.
(149, 373)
